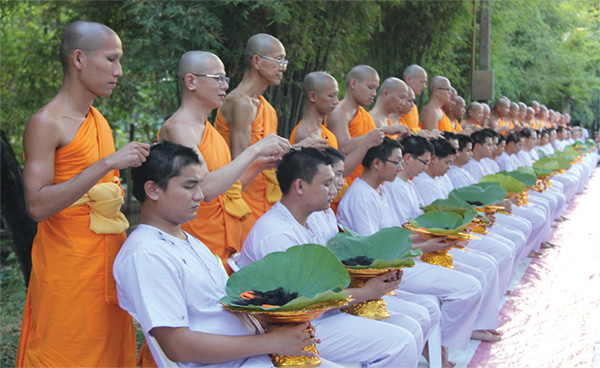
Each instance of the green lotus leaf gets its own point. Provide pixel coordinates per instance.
(569, 153)
(526, 169)
(452, 205)
(507, 182)
(553, 163)
(311, 270)
(443, 223)
(525, 178)
(480, 194)
(389, 247)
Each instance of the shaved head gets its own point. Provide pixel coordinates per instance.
(317, 82)
(393, 84)
(360, 73)
(259, 44)
(194, 62)
(476, 106)
(85, 36)
(413, 71)
(439, 82)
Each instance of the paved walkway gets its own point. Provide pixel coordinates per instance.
(552, 316)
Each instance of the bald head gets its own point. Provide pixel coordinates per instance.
(85, 36)
(195, 62)
(259, 44)
(416, 78)
(438, 82)
(360, 73)
(316, 82)
(393, 84)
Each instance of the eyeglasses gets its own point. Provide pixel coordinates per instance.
(421, 161)
(444, 89)
(219, 77)
(396, 163)
(282, 62)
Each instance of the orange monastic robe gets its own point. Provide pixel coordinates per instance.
(445, 125)
(457, 127)
(264, 190)
(411, 120)
(71, 316)
(359, 126)
(218, 223)
(325, 134)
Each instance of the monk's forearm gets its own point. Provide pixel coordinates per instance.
(354, 158)
(219, 181)
(349, 145)
(50, 199)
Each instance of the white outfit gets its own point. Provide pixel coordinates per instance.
(169, 282)
(365, 211)
(345, 338)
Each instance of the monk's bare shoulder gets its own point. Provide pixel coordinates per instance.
(53, 125)
(239, 109)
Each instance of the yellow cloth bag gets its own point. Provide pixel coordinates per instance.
(273, 190)
(234, 204)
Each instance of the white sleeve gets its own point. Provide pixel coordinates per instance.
(150, 287)
(359, 215)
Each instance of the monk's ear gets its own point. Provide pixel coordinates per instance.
(151, 189)
(78, 58)
(256, 62)
(353, 83)
(190, 82)
(312, 96)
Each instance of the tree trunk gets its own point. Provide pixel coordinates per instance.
(20, 227)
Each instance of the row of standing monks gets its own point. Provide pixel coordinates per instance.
(72, 186)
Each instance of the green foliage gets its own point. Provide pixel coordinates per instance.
(13, 293)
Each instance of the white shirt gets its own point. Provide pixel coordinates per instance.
(524, 158)
(429, 188)
(323, 222)
(276, 231)
(404, 199)
(490, 166)
(364, 210)
(460, 177)
(169, 282)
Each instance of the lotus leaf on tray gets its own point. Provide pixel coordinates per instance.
(311, 270)
(452, 205)
(507, 182)
(525, 178)
(480, 194)
(443, 223)
(388, 247)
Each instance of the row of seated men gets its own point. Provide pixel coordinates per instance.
(217, 189)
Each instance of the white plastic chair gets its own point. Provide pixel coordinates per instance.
(158, 354)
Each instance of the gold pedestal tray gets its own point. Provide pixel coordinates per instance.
(294, 316)
(441, 257)
(372, 309)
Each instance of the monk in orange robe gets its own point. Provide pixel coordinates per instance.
(416, 78)
(351, 123)
(71, 316)
(433, 116)
(247, 117)
(392, 98)
(218, 222)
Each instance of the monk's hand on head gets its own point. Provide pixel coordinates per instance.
(436, 133)
(132, 155)
(289, 339)
(425, 134)
(318, 143)
(374, 137)
(271, 145)
(268, 162)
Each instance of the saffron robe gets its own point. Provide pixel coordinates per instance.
(264, 189)
(218, 223)
(71, 317)
(359, 126)
(445, 125)
(411, 120)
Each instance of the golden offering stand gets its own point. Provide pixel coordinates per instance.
(441, 257)
(292, 317)
(372, 309)
(479, 226)
(521, 198)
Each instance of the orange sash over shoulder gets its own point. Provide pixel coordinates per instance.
(411, 120)
(445, 125)
(71, 317)
(457, 127)
(325, 134)
(359, 126)
(264, 190)
(218, 223)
